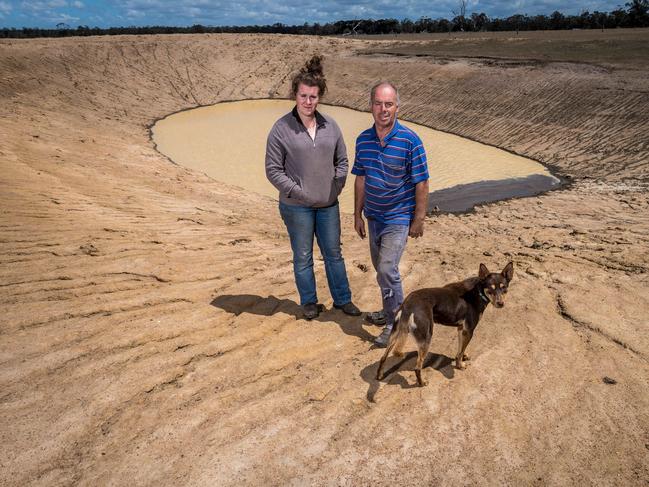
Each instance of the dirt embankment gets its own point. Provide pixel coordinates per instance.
(587, 119)
(149, 332)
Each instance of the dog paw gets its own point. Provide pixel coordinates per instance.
(466, 357)
(460, 366)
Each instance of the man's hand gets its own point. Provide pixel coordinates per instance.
(359, 201)
(416, 228)
(421, 203)
(359, 225)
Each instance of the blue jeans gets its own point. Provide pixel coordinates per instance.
(303, 223)
(387, 243)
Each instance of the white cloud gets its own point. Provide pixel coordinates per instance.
(135, 14)
(64, 18)
(36, 6)
(78, 4)
(5, 8)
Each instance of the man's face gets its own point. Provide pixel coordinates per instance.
(384, 107)
(306, 99)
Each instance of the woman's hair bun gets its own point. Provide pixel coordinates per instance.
(314, 66)
(311, 74)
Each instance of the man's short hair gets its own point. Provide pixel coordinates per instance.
(383, 83)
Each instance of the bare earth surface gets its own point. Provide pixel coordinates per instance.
(148, 331)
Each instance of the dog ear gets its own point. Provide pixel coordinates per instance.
(483, 272)
(508, 271)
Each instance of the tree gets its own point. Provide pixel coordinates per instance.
(460, 16)
(620, 18)
(638, 13)
(557, 20)
(424, 24)
(407, 26)
(599, 18)
(444, 25)
(479, 21)
(516, 22)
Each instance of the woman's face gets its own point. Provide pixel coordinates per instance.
(306, 99)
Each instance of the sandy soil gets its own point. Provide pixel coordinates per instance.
(149, 332)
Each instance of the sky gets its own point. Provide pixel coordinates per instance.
(124, 13)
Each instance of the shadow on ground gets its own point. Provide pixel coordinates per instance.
(442, 363)
(269, 306)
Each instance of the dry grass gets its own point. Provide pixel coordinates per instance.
(622, 47)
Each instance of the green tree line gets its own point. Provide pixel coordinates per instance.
(636, 14)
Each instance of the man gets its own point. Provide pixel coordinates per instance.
(391, 189)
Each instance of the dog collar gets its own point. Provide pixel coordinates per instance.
(482, 295)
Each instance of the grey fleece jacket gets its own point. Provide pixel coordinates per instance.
(306, 172)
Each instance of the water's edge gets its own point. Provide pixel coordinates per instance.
(464, 197)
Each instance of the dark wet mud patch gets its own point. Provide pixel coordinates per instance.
(464, 197)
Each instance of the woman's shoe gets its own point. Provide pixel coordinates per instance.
(310, 311)
(349, 309)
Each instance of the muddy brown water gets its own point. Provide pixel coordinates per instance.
(227, 142)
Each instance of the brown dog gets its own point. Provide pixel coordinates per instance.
(458, 304)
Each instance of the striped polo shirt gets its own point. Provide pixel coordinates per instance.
(391, 172)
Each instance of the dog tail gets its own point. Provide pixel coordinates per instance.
(402, 324)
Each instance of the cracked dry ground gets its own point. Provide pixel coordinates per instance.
(149, 333)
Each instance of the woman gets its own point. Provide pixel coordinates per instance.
(306, 160)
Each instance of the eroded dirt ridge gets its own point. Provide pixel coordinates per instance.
(149, 332)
